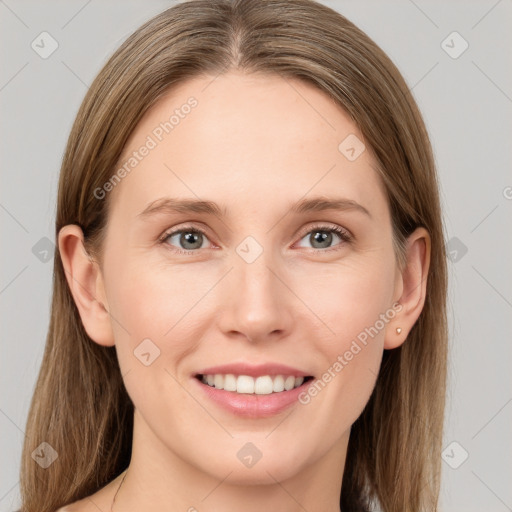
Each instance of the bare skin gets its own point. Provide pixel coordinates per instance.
(254, 145)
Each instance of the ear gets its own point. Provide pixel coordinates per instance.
(86, 284)
(411, 287)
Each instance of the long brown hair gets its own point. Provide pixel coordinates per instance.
(80, 406)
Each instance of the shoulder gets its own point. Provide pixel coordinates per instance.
(101, 500)
(89, 504)
(77, 506)
(85, 505)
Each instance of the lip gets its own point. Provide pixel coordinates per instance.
(272, 369)
(249, 405)
(252, 405)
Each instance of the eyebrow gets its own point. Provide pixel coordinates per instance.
(170, 205)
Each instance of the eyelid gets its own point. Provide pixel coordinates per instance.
(345, 235)
(174, 231)
(325, 226)
(185, 227)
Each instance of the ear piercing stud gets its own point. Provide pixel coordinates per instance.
(398, 330)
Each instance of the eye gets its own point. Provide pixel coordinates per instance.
(321, 237)
(185, 240)
(188, 240)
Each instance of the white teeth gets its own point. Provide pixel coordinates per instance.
(218, 381)
(289, 383)
(244, 384)
(263, 385)
(278, 384)
(230, 382)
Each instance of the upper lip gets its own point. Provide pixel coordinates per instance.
(271, 369)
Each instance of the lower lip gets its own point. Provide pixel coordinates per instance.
(253, 406)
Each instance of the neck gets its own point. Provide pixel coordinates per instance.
(160, 479)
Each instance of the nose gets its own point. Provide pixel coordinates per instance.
(257, 304)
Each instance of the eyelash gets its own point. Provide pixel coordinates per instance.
(344, 235)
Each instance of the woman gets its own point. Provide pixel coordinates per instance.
(250, 287)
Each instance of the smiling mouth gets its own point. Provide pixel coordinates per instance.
(245, 384)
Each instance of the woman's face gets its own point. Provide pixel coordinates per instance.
(250, 275)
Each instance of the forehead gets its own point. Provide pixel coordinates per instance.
(248, 140)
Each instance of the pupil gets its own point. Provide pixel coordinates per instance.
(323, 237)
(190, 238)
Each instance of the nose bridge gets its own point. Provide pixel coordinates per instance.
(256, 278)
(253, 261)
(257, 307)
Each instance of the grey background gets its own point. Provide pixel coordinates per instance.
(467, 105)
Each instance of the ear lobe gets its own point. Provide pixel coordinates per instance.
(85, 282)
(413, 286)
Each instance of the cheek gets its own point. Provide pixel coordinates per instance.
(154, 317)
(353, 296)
(150, 302)
(155, 300)
(356, 304)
